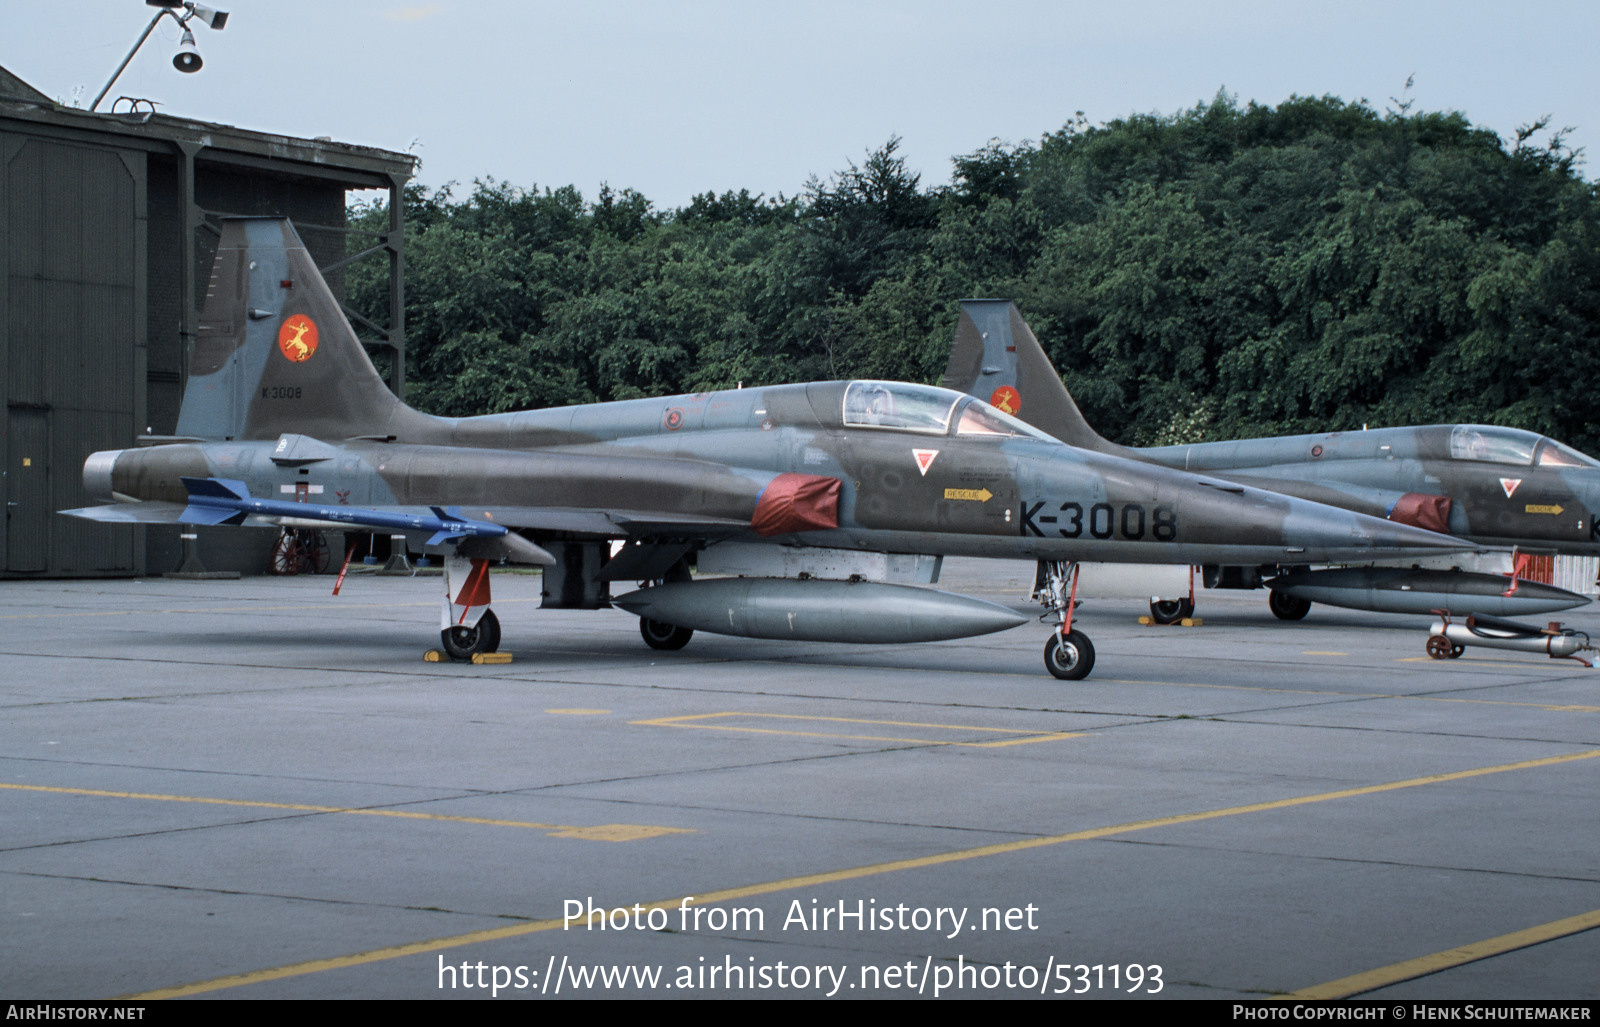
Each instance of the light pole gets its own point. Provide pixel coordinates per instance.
(188, 57)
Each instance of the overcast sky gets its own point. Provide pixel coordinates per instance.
(677, 98)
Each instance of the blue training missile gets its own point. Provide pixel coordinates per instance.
(819, 611)
(226, 501)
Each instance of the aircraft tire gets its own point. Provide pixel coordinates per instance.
(460, 641)
(488, 633)
(663, 636)
(1287, 607)
(1070, 658)
(1170, 611)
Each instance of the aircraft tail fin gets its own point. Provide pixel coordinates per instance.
(996, 358)
(274, 352)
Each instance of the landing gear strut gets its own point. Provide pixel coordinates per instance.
(467, 626)
(1068, 654)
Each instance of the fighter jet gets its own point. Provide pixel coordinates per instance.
(822, 505)
(1500, 487)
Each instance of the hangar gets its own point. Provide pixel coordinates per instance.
(111, 221)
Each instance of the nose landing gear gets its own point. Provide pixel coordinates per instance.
(1068, 654)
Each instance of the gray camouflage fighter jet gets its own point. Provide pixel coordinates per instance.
(1499, 487)
(820, 502)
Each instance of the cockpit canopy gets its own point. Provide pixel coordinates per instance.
(1513, 446)
(928, 409)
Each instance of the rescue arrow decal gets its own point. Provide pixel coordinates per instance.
(978, 495)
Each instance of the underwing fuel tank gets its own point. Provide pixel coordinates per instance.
(1409, 590)
(818, 611)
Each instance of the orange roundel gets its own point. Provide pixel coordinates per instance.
(297, 338)
(1007, 400)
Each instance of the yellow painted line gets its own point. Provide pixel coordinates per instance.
(1314, 652)
(599, 832)
(577, 712)
(1384, 976)
(834, 876)
(1019, 736)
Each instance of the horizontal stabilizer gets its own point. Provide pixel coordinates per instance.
(131, 513)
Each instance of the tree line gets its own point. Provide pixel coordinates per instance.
(1224, 271)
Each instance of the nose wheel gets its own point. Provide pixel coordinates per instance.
(1069, 657)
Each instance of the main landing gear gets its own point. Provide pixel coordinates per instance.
(661, 635)
(467, 626)
(461, 642)
(1171, 611)
(1068, 654)
(1287, 607)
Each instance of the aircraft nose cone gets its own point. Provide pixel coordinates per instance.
(1314, 527)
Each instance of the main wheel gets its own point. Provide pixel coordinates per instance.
(1439, 647)
(1069, 657)
(460, 641)
(660, 635)
(1287, 607)
(1170, 611)
(489, 632)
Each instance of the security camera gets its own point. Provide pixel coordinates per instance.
(210, 15)
(188, 56)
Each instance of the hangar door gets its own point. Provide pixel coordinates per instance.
(72, 333)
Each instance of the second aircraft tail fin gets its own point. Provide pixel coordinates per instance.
(996, 358)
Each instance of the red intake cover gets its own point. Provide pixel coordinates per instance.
(797, 502)
(1422, 510)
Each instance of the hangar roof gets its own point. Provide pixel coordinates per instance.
(358, 167)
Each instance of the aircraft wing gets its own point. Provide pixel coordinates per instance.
(132, 512)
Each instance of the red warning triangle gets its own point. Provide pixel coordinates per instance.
(1510, 485)
(924, 458)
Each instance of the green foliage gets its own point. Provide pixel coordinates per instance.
(1227, 270)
